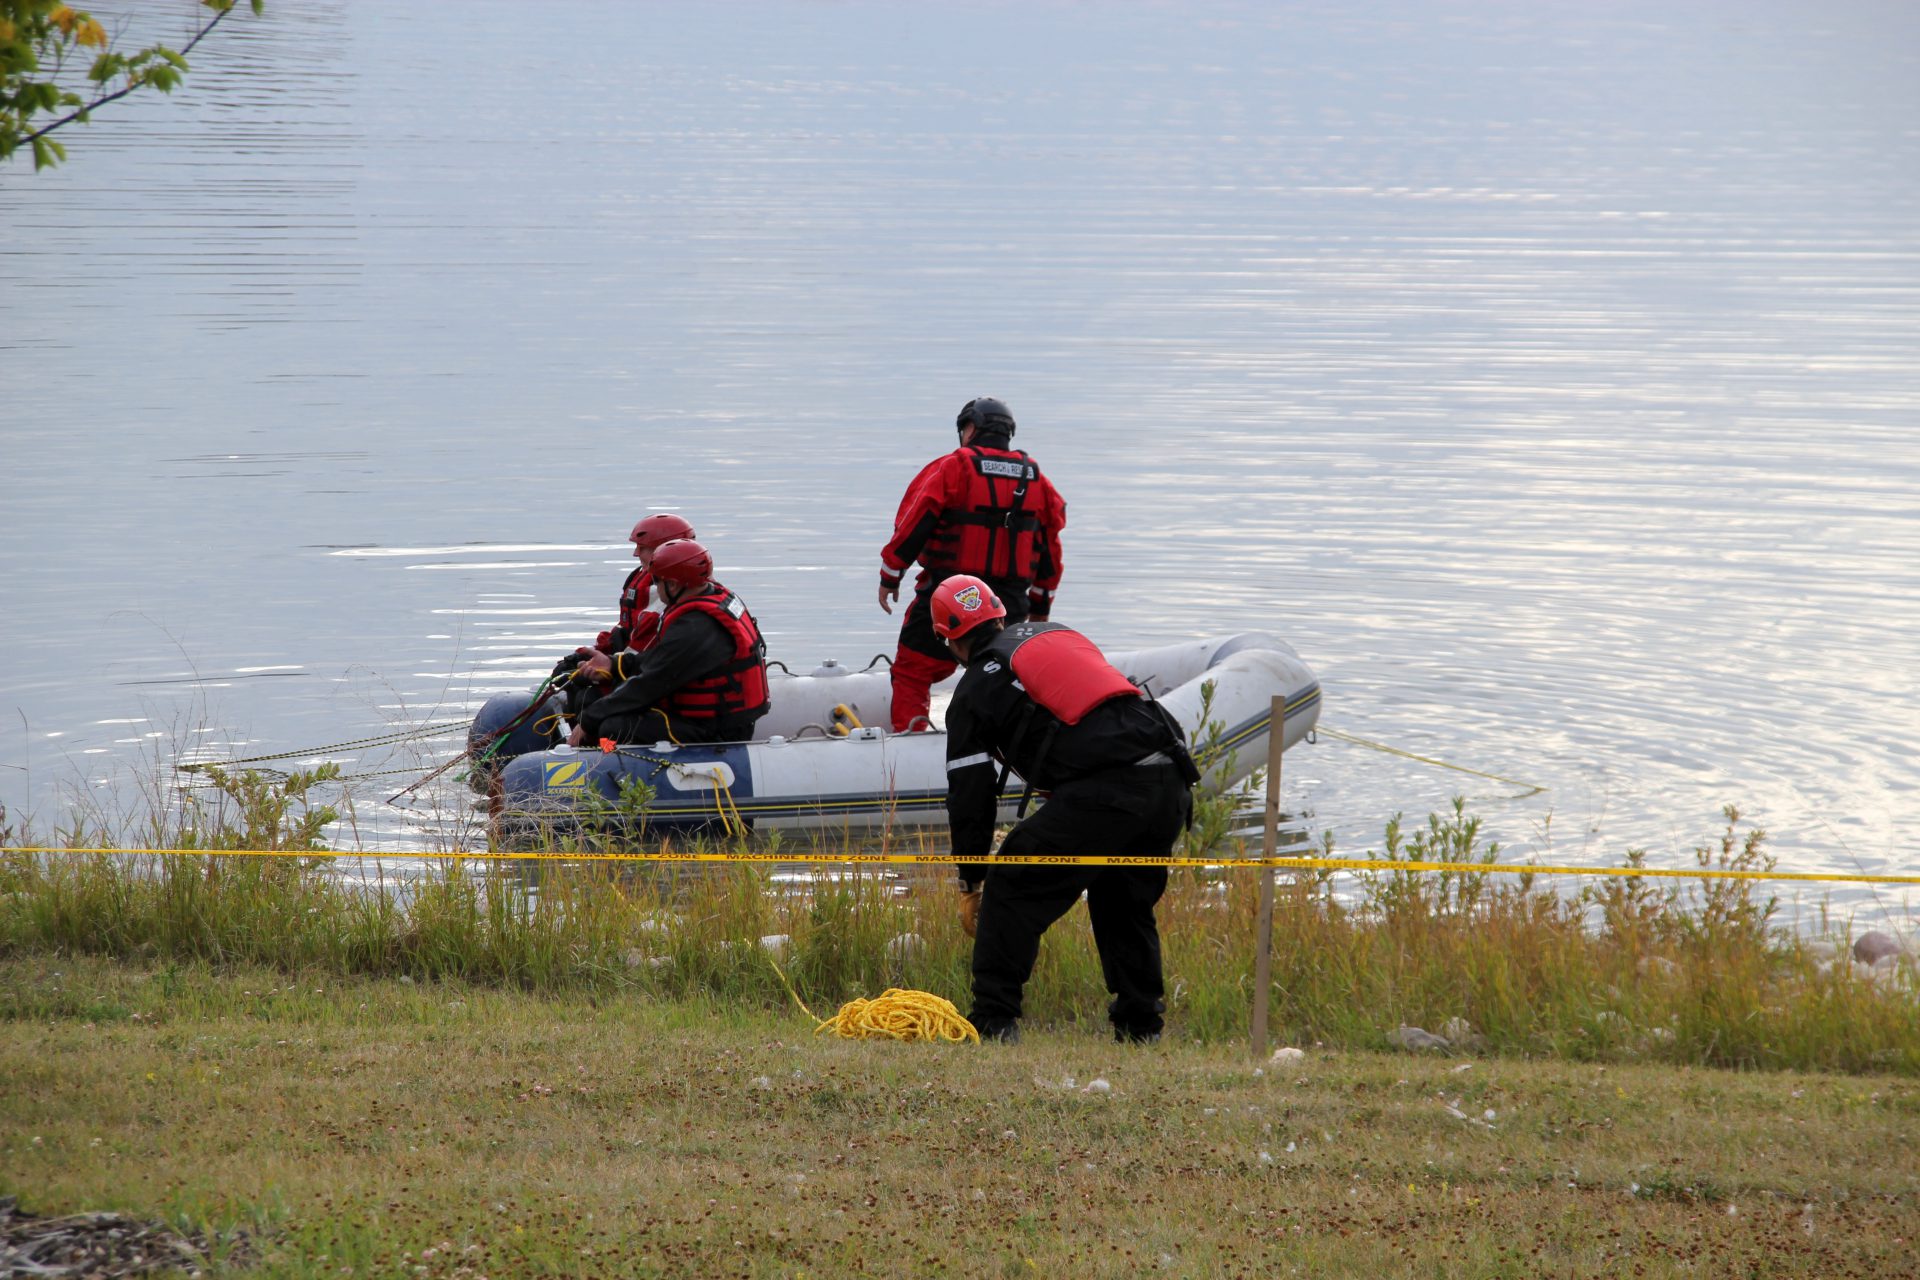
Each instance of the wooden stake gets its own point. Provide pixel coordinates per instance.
(1263, 943)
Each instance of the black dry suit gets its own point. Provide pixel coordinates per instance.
(1042, 700)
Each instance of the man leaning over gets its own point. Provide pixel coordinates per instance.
(1040, 698)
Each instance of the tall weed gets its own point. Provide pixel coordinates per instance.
(1691, 971)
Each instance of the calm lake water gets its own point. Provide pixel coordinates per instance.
(1545, 373)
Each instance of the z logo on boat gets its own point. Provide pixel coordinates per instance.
(562, 775)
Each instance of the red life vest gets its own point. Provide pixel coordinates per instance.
(992, 531)
(641, 624)
(737, 687)
(1060, 669)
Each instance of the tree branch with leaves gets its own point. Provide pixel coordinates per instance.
(38, 41)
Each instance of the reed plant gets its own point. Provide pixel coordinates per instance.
(1697, 972)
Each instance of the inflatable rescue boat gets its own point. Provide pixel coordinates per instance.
(823, 765)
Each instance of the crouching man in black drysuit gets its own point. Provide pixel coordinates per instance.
(703, 680)
(1039, 698)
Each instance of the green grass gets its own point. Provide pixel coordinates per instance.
(1693, 973)
(358, 1126)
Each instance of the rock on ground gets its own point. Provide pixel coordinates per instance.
(1418, 1039)
(1873, 946)
(96, 1246)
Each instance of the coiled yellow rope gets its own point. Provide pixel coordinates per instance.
(899, 1014)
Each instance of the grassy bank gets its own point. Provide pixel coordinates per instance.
(1693, 974)
(364, 1127)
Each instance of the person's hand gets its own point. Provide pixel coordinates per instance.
(1039, 606)
(969, 910)
(597, 668)
(888, 595)
(577, 737)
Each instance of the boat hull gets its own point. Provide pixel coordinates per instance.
(807, 777)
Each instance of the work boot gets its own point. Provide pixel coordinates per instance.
(1125, 1036)
(999, 1033)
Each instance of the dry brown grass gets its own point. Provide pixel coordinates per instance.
(374, 1128)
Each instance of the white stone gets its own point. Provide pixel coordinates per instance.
(1872, 946)
(1288, 1053)
(1417, 1039)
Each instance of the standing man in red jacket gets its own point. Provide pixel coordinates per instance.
(984, 510)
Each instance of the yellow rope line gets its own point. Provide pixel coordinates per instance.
(1358, 741)
(900, 1014)
(1017, 859)
(896, 1014)
(782, 973)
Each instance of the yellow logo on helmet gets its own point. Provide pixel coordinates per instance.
(967, 598)
(562, 775)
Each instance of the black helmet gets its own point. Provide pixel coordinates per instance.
(986, 413)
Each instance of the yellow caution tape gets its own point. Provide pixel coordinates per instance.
(1016, 859)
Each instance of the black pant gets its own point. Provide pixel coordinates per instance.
(1136, 812)
(651, 724)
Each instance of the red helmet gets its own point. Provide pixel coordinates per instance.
(960, 604)
(683, 562)
(654, 530)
